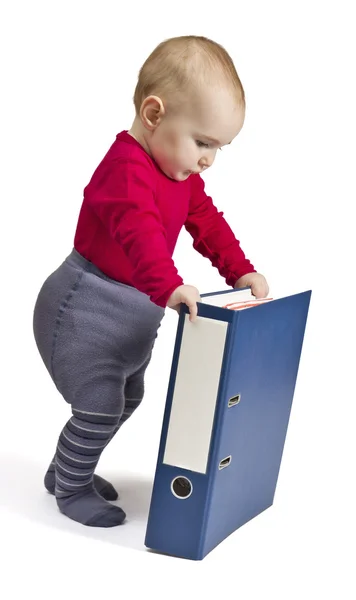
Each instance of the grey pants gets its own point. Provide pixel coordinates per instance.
(95, 337)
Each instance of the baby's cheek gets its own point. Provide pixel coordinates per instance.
(185, 156)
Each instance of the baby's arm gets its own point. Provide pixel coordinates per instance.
(124, 202)
(214, 239)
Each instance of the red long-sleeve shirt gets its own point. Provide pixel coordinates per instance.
(131, 217)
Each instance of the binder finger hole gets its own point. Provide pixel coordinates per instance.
(181, 488)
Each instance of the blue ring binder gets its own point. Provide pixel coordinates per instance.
(226, 416)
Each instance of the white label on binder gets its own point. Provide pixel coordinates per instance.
(195, 394)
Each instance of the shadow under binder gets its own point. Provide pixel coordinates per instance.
(225, 422)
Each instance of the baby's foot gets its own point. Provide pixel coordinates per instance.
(88, 508)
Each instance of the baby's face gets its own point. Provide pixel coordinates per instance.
(187, 143)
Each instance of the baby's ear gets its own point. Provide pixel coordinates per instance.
(152, 111)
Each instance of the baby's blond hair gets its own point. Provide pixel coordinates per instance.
(182, 63)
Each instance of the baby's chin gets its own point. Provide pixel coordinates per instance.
(180, 176)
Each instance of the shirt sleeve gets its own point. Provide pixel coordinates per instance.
(213, 237)
(124, 201)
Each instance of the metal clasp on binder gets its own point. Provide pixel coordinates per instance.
(234, 400)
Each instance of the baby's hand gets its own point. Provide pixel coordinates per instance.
(187, 294)
(257, 282)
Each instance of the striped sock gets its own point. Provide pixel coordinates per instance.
(102, 486)
(79, 448)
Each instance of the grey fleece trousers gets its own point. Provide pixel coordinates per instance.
(95, 336)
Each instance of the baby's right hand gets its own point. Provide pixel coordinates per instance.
(187, 294)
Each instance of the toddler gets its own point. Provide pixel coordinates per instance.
(97, 315)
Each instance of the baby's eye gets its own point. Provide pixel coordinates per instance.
(201, 144)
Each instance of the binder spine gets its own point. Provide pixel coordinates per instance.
(223, 404)
(195, 394)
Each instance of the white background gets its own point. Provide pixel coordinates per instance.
(286, 185)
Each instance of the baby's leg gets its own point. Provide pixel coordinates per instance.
(91, 333)
(134, 391)
(102, 486)
(53, 299)
(80, 445)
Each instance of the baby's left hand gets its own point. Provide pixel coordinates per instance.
(257, 282)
